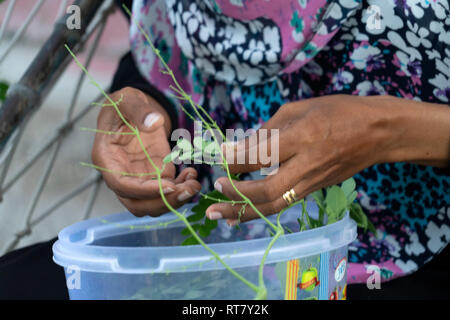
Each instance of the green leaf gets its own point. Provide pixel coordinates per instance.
(204, 225)
(235, 177)
(318, 197)
(348, 186)
(3, 89)
(352, 197)
(196, 217)
(211, 224)
(336, 201)
(187, 155)
(171, 156)
(204, 231)
(189, 242)
(185, 232)
(361, 219)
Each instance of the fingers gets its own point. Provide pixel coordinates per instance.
(276, 141)
(265, 148)
(232, 213)
(285, 114)
(264, 190)
(136, 188)
(156, 207)
(186, 174)
(235, 214)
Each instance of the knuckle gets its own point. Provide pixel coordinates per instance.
(267, 192)
(269, 208)
(272, 208)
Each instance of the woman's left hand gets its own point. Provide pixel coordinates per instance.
(321, 142)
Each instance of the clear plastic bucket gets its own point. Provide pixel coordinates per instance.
(124, 257)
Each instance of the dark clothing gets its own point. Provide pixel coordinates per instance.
(30, 273)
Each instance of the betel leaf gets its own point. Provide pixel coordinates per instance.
(348, 186)
(210, 223)
(336, 201)
(204, 225)
(191, 241)
(318, 198)
(186, 232)
(204, 231)
(357, 214)
(352, 197)
(3, 90)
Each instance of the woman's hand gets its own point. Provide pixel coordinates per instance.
(324, 141)
(123, 153)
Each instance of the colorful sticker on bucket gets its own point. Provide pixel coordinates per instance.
(309, 279)
(292, 268)
(340, 270)
(302, 278)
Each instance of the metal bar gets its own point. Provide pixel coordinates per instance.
(7, 16)
(62, 9)
(44, 178)
(21, 30)
(92, 197)
(15, 142)
(27, 228)
(58, 135)
(44, 70)
(69, 196)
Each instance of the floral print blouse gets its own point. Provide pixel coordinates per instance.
(244, 59)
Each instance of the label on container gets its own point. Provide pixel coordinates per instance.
(340, 270)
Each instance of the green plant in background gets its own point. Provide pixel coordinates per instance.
(3, 88)
(335, 201)
(333, 205)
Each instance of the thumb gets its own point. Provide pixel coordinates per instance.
(141, 110)
(151, 122)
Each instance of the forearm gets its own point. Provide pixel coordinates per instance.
(419, 131)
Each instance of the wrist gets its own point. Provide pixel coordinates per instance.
(412, 131)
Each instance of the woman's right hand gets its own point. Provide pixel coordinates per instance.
(123, 153)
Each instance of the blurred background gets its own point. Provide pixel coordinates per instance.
(23, 202)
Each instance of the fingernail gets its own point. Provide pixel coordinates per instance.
(190, 176)
(218, 186)
(215, 215)
(168, 190)
(232, 223)
(151, 119)
(184, 196)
